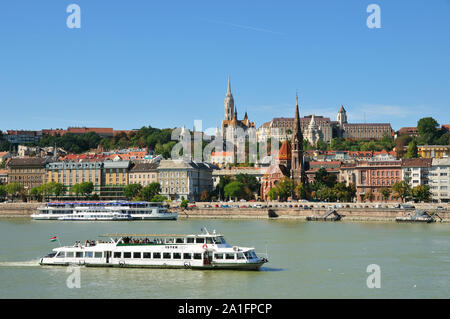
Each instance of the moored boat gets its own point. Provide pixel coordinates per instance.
(200, 251)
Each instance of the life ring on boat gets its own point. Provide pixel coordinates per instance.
(187, 265)
(121, 263)
(205, 246)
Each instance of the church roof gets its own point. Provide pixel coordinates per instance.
(285, 151)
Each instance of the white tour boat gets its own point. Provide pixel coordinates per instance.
(202, 251)
(111, 210)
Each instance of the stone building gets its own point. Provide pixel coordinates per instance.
(30, 172)
(70, 173)
(415, 171)
(143, 173)
(184, 178)
(439, 180)
(433, 151)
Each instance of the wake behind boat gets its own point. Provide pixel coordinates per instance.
(201, 251)
(111, 210)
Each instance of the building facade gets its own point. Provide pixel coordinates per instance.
(143, 173)
(415, 171)
(30, 172)
(185, 179)
(433, 151)
(439, 180)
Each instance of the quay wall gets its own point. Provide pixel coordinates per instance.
(11, 210)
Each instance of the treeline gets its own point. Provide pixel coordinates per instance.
(149, 193)
(73, 143)
(429, 133)
(241, 186)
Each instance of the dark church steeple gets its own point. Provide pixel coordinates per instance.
(297, 166)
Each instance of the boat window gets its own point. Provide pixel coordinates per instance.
(79, 254)
(60, 255)
(197, 256)
(190, 240)
(166, 256)
(209, 240)
(253, 254)
(169, 240)
(219, 240)
(98, 254)
(136, 255)
(240, 256)
(157, 255)
(88, 254)
(200, 240)
(147, 255)
(229, 256)
(187, 256)
(127, 255)
(218, 256)
(248, 255)
(117, 254)
(179, 240)
(69, 254)
(176, 255)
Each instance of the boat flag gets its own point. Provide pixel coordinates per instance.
(53, 238)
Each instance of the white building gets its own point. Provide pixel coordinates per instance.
(440, 179)
(415, 171)
(183, 178)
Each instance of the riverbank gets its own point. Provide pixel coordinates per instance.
(24, 210)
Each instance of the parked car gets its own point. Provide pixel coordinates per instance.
(440, 208)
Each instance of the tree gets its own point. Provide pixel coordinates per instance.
(412, 150)
(285, 188)
(159, 198)
(132, 190)
(369, 196)
(85, 189)
(3, 192)
(301, 191)
(15, 190)
(150, 191)
(234, 190)
(421, 193)
(323, 176)
(402, 190)
(427, 129)
(386, 192)
(184, 203)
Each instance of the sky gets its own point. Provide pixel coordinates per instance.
(165, 64)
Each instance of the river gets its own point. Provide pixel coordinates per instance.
(306, 260)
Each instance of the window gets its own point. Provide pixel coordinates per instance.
(209, 240)
(98, 254)
(157, 255)
(200, 240)
(229, 256)
(79, 254)
(60, 255)
(69, 254)
(179, 240)
(197, 256)
(136, 255)
(127, 255)
(190, 240)
(147, 255)
(166, 256)
(169, 240)
(176, 255)
(218, 256)
(187, 256)
(117, 254)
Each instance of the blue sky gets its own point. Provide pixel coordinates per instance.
(166, 63)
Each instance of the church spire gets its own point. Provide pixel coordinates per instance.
(229, 103)
(297, 168)
(229, 86)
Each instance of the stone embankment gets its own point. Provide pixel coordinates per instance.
(355, 212)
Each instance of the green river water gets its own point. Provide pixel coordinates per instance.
(306, 260)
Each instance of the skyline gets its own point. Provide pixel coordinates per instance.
(140, 64)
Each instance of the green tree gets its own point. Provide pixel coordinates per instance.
(301, 191)
(402, 190)
(427, 129)
(412, 150)
(3, 192)
(234, 190)
(132, 191)
(285, 188)
(323, 176)
(386, 192)
(15, 190)
(369, 196)
(150, 191)
(421, 193)
(159, 198)
(184, 203)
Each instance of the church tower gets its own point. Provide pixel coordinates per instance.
(342, 116)
(229, 103)
(297, 167)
